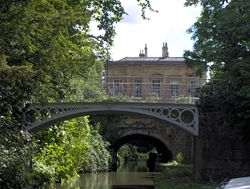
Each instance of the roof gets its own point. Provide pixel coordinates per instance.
(142, 59)
(149, 60)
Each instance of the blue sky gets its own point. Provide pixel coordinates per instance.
(169, 25)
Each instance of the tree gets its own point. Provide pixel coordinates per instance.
(222, 44)
(43, 46)
(221, 36)
(53, 39)
(222, 40)
(72, 147)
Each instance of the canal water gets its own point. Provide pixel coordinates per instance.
(132, 175)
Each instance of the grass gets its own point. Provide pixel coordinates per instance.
(178, 176)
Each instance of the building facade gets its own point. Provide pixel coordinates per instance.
(165, 79)
(159, 79)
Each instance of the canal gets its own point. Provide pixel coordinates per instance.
(132, 175)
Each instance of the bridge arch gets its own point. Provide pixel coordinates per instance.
(38, 116)
(161, 147)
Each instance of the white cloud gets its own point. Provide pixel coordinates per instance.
(134, 16)
(169, 25)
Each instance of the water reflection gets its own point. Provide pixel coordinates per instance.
(133, 187)
(123, 179)
(133, 166)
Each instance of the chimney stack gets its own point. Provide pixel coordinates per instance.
(141, 54)
(165, 53)
(146, 50)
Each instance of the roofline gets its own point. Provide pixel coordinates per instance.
(141, 58)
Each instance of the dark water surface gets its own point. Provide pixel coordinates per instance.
(123, 179)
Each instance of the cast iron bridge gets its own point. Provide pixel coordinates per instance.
(171, 101)
(39, 116)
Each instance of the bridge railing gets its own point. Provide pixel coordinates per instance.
(165, 90)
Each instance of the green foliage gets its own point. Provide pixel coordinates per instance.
(14, 158)
(145, 5)
(99, 157)
(186, 100)
(90, 91)
(40, 176)
(73, 147)
(176, 176)
(54, 39)
(130, 152)
(16, 87)
(109, 126)
(179, 158)
(222, 44)
(43, 46)
(221, 36)
(173, 170)
(50, 42)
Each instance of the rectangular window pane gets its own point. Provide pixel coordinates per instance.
(117, 87)
(137, 89)
(156, 88)
(194, 88)
(174, 89)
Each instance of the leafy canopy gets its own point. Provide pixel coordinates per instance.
(222, 43)
(221, 37)
(53, 41)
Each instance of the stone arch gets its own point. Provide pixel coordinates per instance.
(161, 147)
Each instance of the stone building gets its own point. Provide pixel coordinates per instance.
(165, 78)
(155, 79)
(158, 79)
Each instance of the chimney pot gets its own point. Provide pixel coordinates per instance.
(146, 50)
(165, 53)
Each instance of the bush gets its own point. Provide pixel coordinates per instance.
(14, 150)
(179, 158)
(14, 172)
(73, 147)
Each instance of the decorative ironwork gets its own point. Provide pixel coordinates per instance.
(184, 116)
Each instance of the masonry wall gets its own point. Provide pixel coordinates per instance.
(219, 151)
(166, 73)
(175, 139)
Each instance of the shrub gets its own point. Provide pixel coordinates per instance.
(179, 158)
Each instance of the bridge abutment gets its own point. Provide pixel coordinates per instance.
(167, 139)
(220, 151)
(175, 139)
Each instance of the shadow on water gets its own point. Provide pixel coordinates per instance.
(132, 187)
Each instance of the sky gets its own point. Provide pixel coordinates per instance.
(168, 25)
